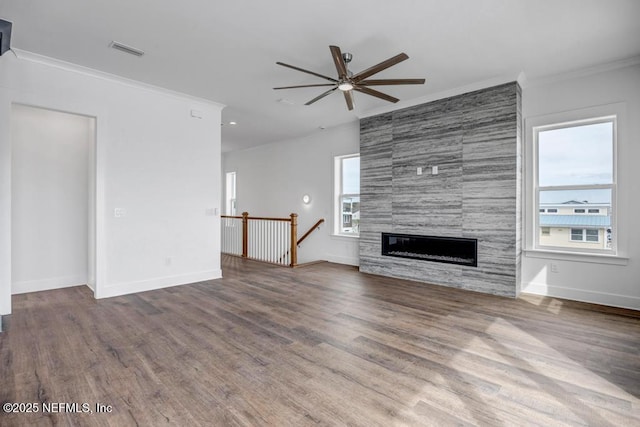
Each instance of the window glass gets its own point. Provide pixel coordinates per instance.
(230, 194)
(351, 175)
(592, 235)
(576, 234)
(576, 155)
(347, 220)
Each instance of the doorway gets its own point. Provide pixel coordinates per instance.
(52, 199)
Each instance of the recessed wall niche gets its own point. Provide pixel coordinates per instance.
(474, 140)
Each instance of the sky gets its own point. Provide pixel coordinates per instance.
(576, 155)
(351, 175)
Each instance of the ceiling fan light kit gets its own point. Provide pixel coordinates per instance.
(347, 82)
(345, 85)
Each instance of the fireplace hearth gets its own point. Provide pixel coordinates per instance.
(451, 250)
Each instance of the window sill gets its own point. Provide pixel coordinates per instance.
(578, 257)
(345, 236)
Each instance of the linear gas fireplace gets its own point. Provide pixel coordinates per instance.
(452, 250)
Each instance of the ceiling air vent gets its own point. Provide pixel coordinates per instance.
(126, 49)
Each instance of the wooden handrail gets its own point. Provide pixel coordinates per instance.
(269, 219)
(257, 218)
(311, 230)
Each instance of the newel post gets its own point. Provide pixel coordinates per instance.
(245, 234)
(294, 239)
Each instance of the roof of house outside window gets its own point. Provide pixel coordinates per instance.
(575, 220)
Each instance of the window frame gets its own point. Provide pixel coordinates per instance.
(533, 220)
(339, 196)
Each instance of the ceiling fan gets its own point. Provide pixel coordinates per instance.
(347, 82)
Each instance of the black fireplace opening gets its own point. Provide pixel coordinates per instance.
(451, 250)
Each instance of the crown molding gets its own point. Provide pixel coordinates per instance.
(523, 80)
(496, 81)
(24, 55)
(581, 72)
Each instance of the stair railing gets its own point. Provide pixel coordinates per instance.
(272, 240)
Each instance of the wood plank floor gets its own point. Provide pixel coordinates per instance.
(321, 345)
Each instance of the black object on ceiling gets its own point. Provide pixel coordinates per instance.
(5, 36)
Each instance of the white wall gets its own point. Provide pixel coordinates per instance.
(271, 180)
(50, 198)
(610, 284)
(153, 159)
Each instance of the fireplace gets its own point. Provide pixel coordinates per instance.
(451, 250)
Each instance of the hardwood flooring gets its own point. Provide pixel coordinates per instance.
(320, 345)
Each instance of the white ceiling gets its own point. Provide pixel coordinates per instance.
(226, 51)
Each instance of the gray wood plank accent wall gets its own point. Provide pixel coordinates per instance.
(475, 141)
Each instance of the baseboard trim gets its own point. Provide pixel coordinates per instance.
(47, 284)
(343, 260)
(613, 300)
(156, 283)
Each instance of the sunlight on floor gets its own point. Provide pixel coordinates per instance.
(530, 378)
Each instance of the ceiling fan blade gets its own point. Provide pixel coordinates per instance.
(376, 94)
(319, 97)
(385, 82)
(294, 87)
(379, 67)
(339, 61)
(306, 71)
(348, 96)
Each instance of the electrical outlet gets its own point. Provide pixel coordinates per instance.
(554, 267)
(119, 212)
(419, 171)
(168, 260)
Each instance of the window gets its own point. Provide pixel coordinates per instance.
(347, 195)
(230, 194)
(574, 165)
(590, 235)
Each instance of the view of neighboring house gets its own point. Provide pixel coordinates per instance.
(575, 224)
(350, 214)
